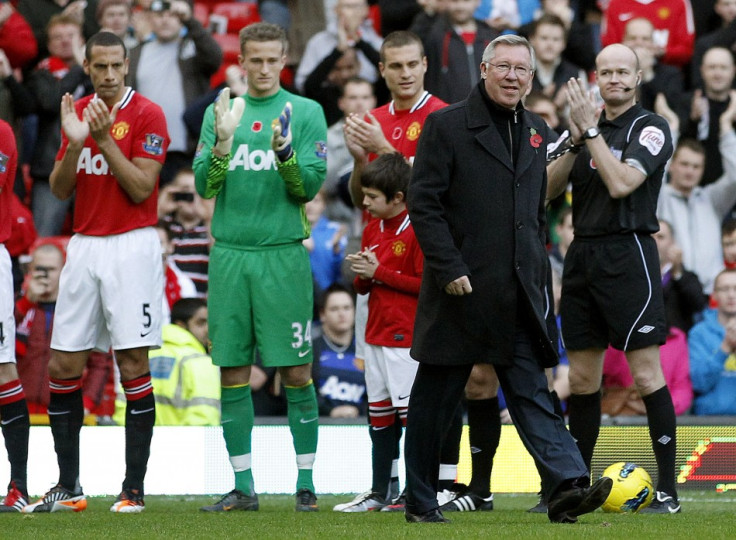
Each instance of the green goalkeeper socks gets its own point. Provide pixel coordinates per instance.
(304, 424)
(237, 425)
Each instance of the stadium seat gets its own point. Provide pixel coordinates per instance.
(230, 17)
(374, 14)
(201, 12)
(230, 45)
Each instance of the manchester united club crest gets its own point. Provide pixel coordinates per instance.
(412, 133)
(398, 248)
(120, 130)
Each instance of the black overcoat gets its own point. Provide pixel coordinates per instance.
(476, 214)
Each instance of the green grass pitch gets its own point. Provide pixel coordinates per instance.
(705, 516)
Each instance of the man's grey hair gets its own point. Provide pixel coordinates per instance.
(511, 40)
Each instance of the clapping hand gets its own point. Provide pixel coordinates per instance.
(281, 136)
(226, 121)
(75, 129)
(729, 115)
(364, 263)
(99, 118)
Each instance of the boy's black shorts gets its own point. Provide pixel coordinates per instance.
(612, 293)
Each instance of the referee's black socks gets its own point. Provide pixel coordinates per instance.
(584, 412)
(663, 431)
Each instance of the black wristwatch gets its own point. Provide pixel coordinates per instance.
(591, 133)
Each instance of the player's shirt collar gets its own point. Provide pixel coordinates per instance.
(127, 97)
(421, 102)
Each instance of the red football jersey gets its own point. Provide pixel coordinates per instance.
(402, 128)
(8, 166)
(102, 207)
(394, 288)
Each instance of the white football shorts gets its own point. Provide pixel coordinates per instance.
(7, 307)
(110, 293)
(389, 373)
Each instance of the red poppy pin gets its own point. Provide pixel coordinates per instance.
(536, 139)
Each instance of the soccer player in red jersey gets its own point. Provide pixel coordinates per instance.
(110, 293)
(13, 409)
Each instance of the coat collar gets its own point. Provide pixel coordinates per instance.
(478, 115)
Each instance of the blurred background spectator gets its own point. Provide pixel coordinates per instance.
(188, 55)
(34, 316)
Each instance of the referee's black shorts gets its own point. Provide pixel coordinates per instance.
(612, 294)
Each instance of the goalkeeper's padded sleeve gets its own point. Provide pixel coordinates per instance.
(289, 171)
(216, 174)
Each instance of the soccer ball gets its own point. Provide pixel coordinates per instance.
(632, 488)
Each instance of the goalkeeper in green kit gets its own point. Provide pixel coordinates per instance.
(263, 156)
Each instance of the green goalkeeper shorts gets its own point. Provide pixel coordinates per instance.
(260, 298)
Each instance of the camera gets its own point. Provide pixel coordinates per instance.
(183, 196)
(42, 271)
(160, 5)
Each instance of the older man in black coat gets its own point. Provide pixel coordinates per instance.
(476, 202)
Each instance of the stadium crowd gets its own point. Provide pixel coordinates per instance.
(375, 100)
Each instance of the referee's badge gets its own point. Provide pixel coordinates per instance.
(652, 138)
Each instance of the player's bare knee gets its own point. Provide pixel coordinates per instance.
(584, 381)
(67, 365)
(234, 376)
(8, 373)
(296, 375)
(648, 381)
(132, 363)
(482, 383)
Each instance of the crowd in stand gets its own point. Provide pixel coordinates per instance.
(687, 67)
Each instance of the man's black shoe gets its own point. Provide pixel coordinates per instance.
(433, 516)
(565, 507)
(540, 508)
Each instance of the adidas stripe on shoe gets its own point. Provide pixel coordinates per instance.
(468, 502)
(14, 501)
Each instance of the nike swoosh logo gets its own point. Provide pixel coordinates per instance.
(625, 17)
(6, 422)
(226, 421)
(302, 354)
(54, 413)
(404, 397)
(304, 421)
(146, 333)
(378, 428)
(143, 411)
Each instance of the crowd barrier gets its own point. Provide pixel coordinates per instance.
(193, 460)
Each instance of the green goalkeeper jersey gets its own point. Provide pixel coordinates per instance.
(260, 201)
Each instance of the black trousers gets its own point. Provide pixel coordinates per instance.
(434, 397)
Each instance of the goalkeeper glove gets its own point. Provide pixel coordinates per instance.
(226, 121)
(281, 137)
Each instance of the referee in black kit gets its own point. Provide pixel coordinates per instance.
(611, 288)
